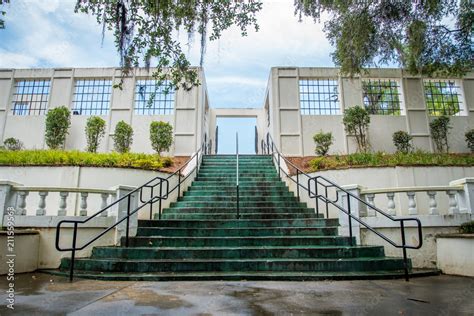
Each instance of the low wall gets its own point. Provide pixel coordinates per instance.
(25, 247)
(456, 254)
(81, 177)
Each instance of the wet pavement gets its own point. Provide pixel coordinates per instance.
(42, 294)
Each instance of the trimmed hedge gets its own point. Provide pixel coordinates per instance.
(86, 159)
(380, 159)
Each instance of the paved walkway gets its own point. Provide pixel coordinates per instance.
(42, 294)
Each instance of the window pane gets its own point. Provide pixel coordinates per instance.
(381, 96)
(442, 97)
(319, 97)
(92, 97)
(153, 99)
(30, 97)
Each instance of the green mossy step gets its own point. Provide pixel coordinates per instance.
(233, 210)
(305, 252)
(227, 265)
(239, 241)
(244, 232)
(309, 222)
(232, 216)
(243, 204)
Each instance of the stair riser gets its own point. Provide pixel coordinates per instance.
(232, 210)
(218, 204)
(229, 216)
(217, 194)
(255, 253)
(240, 223)
(242, 198)
(247, 232)
(236, 242)
(333, 266)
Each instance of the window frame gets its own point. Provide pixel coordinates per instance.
(140, 106)
(314, 105)
(89, 96)
(461, 102)
(42, 90)
(389, 111)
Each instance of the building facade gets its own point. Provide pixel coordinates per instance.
(299, 102)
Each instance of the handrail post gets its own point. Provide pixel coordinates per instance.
(179, 184)
(237, 173)
(349, 218)
(128, 221)
(316, 198)
(159, 203)
(327, 201)
(405, 259)
(279, 171)
(73, 252)
(151, 204)
(298, 183)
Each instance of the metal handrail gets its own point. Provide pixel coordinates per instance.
(128, 197)
(237, 173)
(324, 197)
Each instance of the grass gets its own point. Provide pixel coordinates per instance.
(86, 159)
(380, 159)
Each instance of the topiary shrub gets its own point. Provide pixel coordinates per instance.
(323, 142)
(439, 129)
(123, 137)
(402, 141)
(95, 130)
(467, 228)
(356, 123)
(12, 144)
(161, 136)
(470, 140)
(58, 121)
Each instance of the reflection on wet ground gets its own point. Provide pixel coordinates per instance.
(42, 294)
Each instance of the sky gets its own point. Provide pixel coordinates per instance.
(47, 33)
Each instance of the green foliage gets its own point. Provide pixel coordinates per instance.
(402, 141)
(379, 93)
(148, 30)
(58, 121)
(123, 137)
(439, 128)
(418, 35)
(77, 158)
(323, 141)
(441, 99)
(380, 159)
(12, 144)
(356, 122)
(470, 140)
(3, 13)
(161, 136)
(467, 228)
(95, 130)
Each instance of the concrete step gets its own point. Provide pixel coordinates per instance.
(242, 223)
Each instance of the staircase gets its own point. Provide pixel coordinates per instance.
(199, 238)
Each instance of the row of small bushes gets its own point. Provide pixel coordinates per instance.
(77, 158)
(58, 122)
(381, 159)
(356, 123)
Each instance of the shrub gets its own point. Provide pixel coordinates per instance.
(95, 130)
(58, 121)
(356, 122)
(467, 228)
(161, 136)
(123, 137)
(402, 141)
(12, 144)
(323, 141)
(470, 140)
(439, 128)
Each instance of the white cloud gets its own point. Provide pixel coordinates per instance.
(19, 60)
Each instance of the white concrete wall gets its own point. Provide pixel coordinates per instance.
(187, 119)
(293, 132)
(456, 254)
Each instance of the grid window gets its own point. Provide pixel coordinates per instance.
(92, 97)
(30, 97)
(153, 99)
(319, 97)
(442, 97)
(381, 96)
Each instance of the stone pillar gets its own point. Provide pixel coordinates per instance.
(120, 211)
(6, 197)
(356, 208)
(465, 198)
